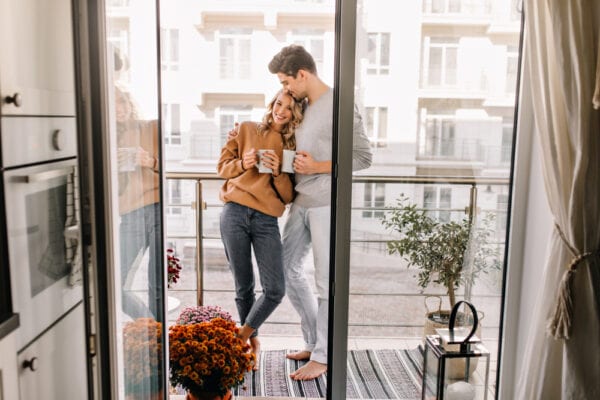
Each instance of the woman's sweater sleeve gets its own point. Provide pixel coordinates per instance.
(230, 162)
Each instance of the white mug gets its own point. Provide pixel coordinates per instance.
(261, 168)
(127, 159)
(287, 164)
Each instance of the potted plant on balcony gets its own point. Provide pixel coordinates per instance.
(142, 359)
(208, 359)
(451, 253)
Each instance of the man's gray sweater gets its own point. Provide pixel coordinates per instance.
(315, 136)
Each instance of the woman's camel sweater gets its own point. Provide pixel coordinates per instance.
(262, 192)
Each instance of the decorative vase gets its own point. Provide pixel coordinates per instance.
(210, 396)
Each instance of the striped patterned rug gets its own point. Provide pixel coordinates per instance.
(372, 374)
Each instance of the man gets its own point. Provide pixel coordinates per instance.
(308, 221)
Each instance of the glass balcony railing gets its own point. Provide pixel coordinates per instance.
(379, 281)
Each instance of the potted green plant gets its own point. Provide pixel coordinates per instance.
(451, 253)
(440, 249)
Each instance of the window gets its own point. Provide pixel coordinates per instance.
(374, 197)
(174, 197)
(378, 53)
(376, 125)
(441, 61)
(235, 53)
(502, 216)
(169, 52)
(441, 6)
(172, 123)
(469, 7)
(438, 136)
(507, 139)
(312, 40)
(437, 202)
(228, 116)
(512, 67)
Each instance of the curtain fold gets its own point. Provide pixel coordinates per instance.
(561, 45)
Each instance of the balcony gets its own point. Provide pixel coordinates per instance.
(386, 306)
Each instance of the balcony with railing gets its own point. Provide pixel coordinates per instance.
(386, 306)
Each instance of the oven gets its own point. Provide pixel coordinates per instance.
(39, 167)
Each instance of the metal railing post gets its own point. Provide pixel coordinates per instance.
(199, 245)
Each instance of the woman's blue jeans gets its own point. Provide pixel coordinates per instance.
(244, 229)
(140, 230)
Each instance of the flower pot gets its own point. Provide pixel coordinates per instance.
(209, 396)
(439, 319)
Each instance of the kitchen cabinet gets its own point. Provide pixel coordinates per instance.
(53, 367)
(38, 117)
(9, 388)
(36, 49)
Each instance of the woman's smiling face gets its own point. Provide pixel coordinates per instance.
(282, 110)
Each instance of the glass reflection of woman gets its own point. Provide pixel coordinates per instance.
(253, 202)
(139, 207)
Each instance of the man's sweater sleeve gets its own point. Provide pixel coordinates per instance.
(284, 187)
(362, 157)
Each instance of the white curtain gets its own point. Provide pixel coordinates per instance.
(562, 354)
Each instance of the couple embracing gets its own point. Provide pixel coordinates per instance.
(254, 201)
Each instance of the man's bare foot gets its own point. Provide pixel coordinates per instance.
(299, 356)
(310, 370)
(255, 349)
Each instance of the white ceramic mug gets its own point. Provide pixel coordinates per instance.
(127, 159)
(261, 168)
(287, 164)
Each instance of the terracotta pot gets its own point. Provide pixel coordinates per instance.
(209, 396)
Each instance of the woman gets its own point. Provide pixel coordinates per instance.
(139, 206)
(253, 202)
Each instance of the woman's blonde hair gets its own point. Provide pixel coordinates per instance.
(289, 129)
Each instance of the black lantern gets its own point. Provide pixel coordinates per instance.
(450, 359)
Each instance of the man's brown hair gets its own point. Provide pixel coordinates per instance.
(291, 59)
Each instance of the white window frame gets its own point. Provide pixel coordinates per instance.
(376, 124)
(236, 114)
(437, 202)
(512, 69)
(373, 196)
(432, 146)
(378, 66)
(171, 114)
(170, 49)
(446, 76)
(238, 65)
(174, 197)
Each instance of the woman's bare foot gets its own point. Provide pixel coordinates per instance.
(311, 370)
(255, 349)
(299, 356)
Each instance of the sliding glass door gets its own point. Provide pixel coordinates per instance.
(123, 193)
(433, 88)
(435, 82)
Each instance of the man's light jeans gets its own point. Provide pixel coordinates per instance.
(306, 226)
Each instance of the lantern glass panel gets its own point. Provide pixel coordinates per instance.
(449, 373)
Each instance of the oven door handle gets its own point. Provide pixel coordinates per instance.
(44, 176)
